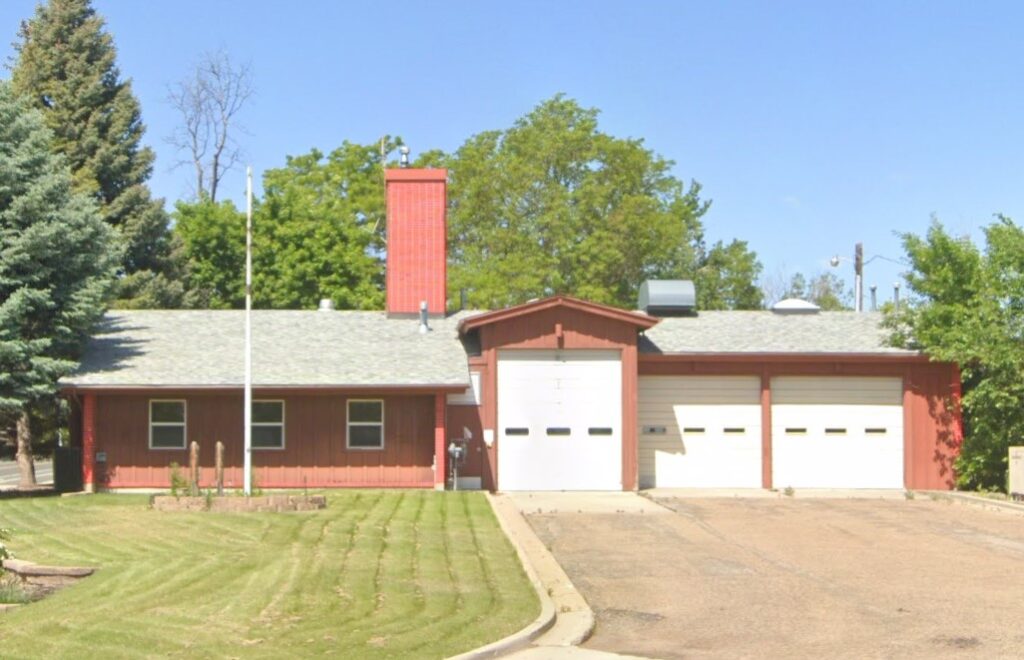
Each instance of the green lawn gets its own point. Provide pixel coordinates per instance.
(376, 574)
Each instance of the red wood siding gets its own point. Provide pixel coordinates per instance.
(933, 434)
(314, 455)
(470, 417)
(931, 427)
(565, 328)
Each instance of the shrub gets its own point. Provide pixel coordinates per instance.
(5, 535)
(178, 481)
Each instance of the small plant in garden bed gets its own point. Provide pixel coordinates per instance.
(11, 592)
(5, 536)
(178, 481)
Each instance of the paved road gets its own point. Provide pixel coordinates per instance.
(785, 578)
(9, 473)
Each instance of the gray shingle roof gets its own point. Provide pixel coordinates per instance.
(290, 348)
(770, 332)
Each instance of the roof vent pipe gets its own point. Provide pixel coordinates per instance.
(424, 328)
(326, 305)
(403, 160)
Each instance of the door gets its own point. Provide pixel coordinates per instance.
(837, 432)
(559, 420)
(700, 431)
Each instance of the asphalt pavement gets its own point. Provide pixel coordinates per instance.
(9, 473)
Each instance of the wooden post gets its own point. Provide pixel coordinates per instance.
(218, 469)
(88, 441)
(193, 468)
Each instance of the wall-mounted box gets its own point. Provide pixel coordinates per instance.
(1016, 485)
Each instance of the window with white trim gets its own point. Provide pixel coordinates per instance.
(167, 424)
(365, 424)
(268, 424)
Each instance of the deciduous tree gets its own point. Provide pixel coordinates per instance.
(56, 265)
(966, 305)
(319, 230)
(208, 102)
(555, 205)
(213, 253)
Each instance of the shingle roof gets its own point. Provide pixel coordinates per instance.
(770, 332)
(290, 348)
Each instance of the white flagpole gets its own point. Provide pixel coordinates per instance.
(247, 469)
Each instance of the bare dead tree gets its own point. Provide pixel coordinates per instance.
(208, 101)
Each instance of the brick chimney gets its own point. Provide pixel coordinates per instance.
(416, 241)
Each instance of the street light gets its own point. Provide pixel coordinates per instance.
(858, 270)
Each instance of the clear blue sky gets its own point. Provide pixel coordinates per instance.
(811, 125)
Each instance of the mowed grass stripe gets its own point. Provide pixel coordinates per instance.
(376, 574)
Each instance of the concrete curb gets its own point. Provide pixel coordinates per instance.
(974, 500)
(545, 620)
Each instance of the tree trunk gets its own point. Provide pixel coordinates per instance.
(26, 466)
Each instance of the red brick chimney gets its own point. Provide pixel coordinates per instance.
(416, 241)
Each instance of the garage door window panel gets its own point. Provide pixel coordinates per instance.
(366, 424)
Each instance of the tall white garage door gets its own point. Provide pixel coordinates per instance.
(559, 420)
(700, 431)
(837, 432)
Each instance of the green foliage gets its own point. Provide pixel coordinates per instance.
(318, 232)
(826, 290)
(5, 538)
(554, 205)
(967, 306)
(212, 236)
(55, 263)
(727, 278)
(11, 591)
(178, 481)
(66, 69)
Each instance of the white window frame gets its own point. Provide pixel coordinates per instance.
(349, 424)
(281, 424)
(183, 424)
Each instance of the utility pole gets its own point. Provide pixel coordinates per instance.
(247, 416)
(858, 270)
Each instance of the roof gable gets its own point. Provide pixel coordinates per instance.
(638, 320)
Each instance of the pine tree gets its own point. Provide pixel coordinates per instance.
(56, 266)
(66, 68)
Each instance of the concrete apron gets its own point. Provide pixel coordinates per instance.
(566, 619)
(760, 493)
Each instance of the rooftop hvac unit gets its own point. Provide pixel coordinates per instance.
(668, 297)
(1016, 485)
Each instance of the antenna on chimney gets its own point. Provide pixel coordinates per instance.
(404, 159)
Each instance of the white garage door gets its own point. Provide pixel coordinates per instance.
(559, 420)
(837, 432)
(700, 431)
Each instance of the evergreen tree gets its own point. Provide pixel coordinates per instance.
(66, 68)
(56, 264)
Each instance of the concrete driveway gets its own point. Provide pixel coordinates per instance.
(769, 577)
